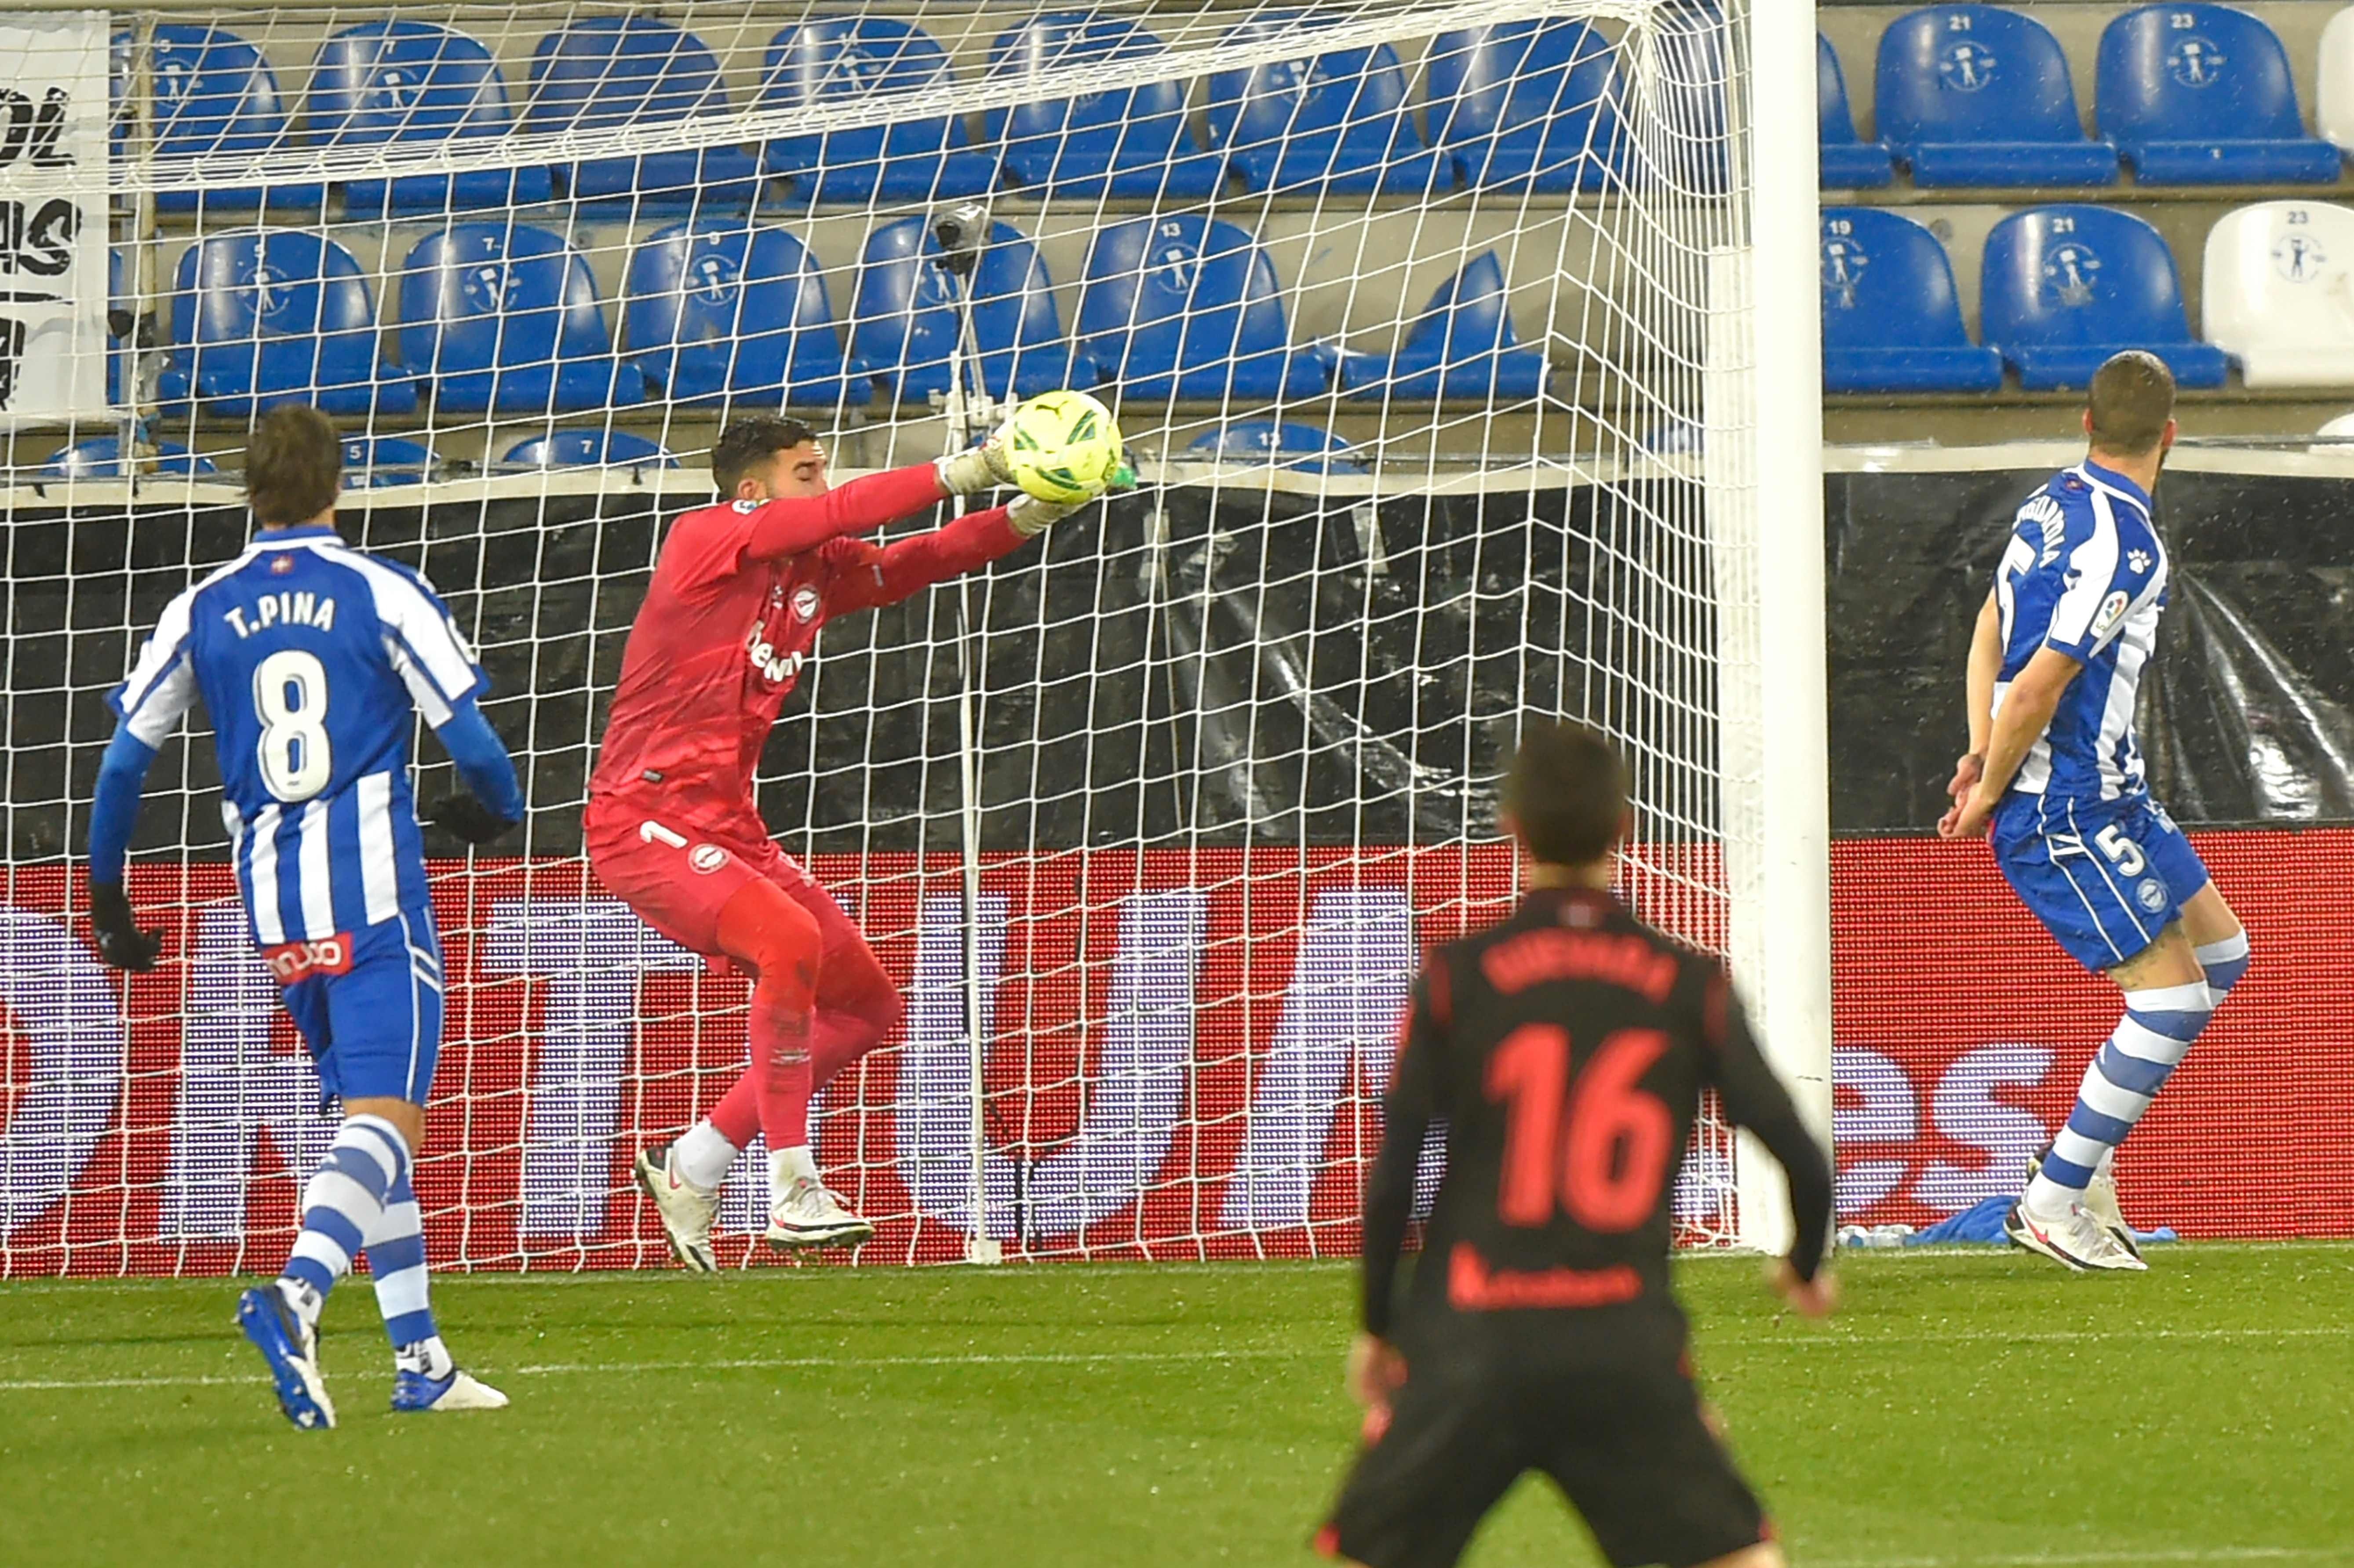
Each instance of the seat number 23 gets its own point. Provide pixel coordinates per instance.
(2123, 852)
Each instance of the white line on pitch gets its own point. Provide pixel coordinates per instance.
(2060, 1559)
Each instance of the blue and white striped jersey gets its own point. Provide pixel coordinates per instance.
(2085, 573)
(310, 658)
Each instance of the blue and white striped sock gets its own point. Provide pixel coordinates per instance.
(2225, 962)
(343, 1207)
(396, 1254)
(2125, 1075)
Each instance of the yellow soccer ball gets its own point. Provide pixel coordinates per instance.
(1062, 446)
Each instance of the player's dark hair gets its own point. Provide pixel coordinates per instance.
(746, 443)
(2132, 399)
(1567, 791)
(293, 466)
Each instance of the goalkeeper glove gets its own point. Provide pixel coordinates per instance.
(1031, 517)
(468, 818)
(984, 467)
(120, 942)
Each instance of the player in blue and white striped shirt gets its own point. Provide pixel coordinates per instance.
(2054, 771)
(312, 659)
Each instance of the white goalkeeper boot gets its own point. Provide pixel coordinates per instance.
(806, 1214)
(2100, 1197)
(2076, 1238)
(686, 1210)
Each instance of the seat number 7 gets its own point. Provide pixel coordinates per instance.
(2123, 852)
(1597, 1147)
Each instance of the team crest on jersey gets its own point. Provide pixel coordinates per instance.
(2152, 894)
(282, 562)
(707, 857)
(2113, 610)
(805, 603)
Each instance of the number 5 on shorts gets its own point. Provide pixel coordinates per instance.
(2123, 852)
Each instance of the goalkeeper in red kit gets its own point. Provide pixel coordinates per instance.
(738, 594)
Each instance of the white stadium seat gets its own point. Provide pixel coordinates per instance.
(2333, 90)
(2279, 293)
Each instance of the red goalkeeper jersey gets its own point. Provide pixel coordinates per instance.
(738, 594)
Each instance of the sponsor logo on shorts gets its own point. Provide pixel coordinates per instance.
(295, 961)
(707, 857)
(2152, 894)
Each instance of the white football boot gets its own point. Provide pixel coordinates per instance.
(461, 1390)
(686, 1210)
(2100, 1197)
(806, 1215)
(2078, 1239)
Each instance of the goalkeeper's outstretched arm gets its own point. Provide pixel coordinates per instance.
(869, 576)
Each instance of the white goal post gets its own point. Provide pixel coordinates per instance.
(1468, 354)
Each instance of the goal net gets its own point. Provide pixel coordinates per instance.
(1435, 330)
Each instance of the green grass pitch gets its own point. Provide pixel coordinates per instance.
(1980, 1409)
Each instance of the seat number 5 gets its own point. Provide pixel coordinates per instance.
(2123, 852)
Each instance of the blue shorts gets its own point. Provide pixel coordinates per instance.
(2105, 876)
(369, 1003)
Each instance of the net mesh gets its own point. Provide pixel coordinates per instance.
(1424, 323)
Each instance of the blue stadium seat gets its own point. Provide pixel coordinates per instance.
(118, 352)
(904, 318)
(1276, 444)
(2065, 287)
(1848, 162)
(724, 312)
(2201, 94)
(214, 95)
(1131, 141)
(851, 57)
(590, 449)
(1892, 322)
(415, 81)
(374, 462)
(1528, 106)
(267, 316)
(1335, 122)
(102, 459)
(607, 71)
(1462, 345)
(1183, 306)
(1975, 95)
(507, 319)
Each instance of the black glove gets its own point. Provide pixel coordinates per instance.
(468, 818)
(120, 942)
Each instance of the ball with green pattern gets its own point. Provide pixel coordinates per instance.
(1062, 446)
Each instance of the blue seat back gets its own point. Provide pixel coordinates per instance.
(480, 296)
(1468, 315)
(1834, 121)
(405, 81)
(621, 70)
(213, 92)
(276, 310)
(1887, 283)
(2079, 275)
(839, 58)
(101, 457)
(718, 305)
(1350, 99)
(373, 462)
(1179, 292)
(590, 448)
(1085, 131)
(1271, 440)
(2195, 73)
(905, 311)
(1540, 90)
(1972, 73)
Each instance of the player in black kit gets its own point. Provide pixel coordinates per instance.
(1566, 1049)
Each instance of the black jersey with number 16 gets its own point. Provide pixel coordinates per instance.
(1566, 1049)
